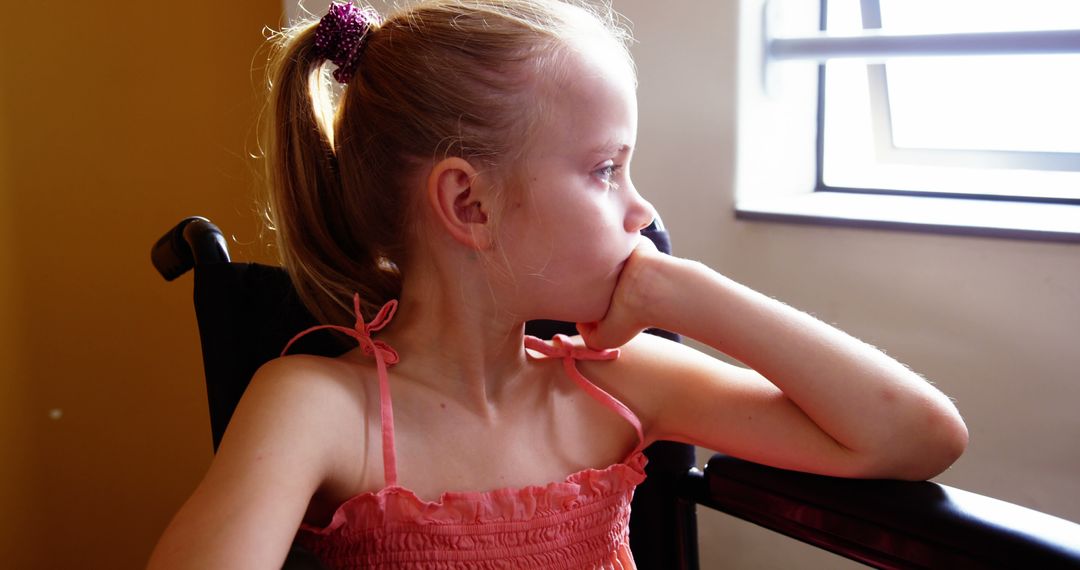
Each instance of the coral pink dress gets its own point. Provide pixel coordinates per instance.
(578, 523)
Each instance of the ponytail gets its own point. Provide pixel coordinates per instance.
(317, 244)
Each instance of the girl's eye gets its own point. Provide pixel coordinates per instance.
(607, 173)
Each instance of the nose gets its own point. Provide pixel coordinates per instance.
(640, 212)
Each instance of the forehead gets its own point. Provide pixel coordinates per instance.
(591, 101)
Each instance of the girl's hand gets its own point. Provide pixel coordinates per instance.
(631, 302)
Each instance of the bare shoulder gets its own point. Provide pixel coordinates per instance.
(304, 389)
(277, 452)
(652, 371)
(647, 358)
(650, 353)
(299, 408)
(282, 411)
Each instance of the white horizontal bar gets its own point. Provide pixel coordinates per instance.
(877, 45)
(993, 218)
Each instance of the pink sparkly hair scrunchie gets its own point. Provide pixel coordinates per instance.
(340, 37)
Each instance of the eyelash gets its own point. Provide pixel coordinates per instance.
(606, 173)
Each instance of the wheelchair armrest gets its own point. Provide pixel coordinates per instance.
(893, 524)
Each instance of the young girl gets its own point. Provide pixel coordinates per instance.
(475, 175)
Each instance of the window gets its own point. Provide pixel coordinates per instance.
(970, 106)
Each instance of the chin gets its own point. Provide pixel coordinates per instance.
(584, 310)
(583, 301)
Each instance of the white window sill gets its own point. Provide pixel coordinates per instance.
(994, 218)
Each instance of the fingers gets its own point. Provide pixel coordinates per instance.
(613, 331)
(588, 334)
(596, 336)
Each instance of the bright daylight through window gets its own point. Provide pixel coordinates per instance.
(991, 126)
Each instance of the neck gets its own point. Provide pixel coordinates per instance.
(453, 337)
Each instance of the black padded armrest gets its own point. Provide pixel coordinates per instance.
(890, 524)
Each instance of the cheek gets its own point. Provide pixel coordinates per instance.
(572, 284)
(585, 281)
(564, 258)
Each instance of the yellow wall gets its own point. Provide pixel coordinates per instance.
(115, 124)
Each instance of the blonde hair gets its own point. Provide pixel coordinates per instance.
(438, 78)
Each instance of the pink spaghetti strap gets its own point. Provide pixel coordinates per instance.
(561, 348)
(384, 355)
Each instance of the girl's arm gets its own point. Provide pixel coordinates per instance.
(815, 400)
(246, 511)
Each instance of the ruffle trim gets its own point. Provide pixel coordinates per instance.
(577, 558)
(398, 505)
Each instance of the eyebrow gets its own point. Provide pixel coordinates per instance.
(612, 148)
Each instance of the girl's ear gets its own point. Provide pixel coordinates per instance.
(461, 202)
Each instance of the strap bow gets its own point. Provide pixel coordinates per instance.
(561, 347)
(361, 331)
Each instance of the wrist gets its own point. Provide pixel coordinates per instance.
(662, 289)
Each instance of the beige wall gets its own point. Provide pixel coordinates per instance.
(993, 322)
(115, 123)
